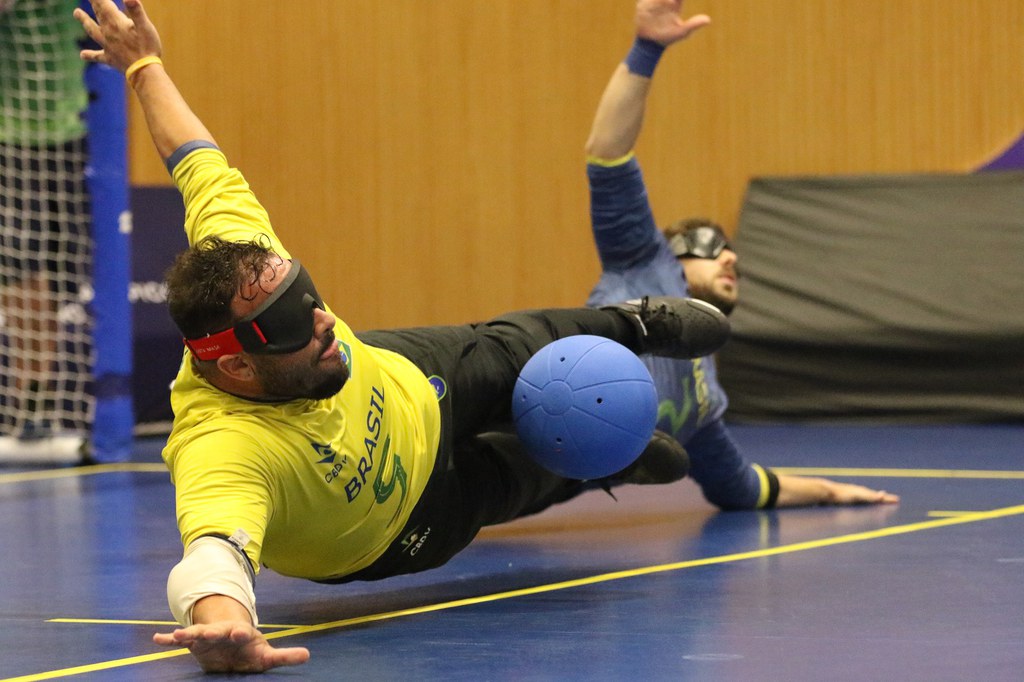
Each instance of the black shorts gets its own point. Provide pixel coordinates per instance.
(482, 476)
(44, 213)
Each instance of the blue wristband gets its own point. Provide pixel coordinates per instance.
(643, 57)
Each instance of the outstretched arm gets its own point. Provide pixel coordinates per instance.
(729, 481)
(801, 491)
(210, 592)
(620, 112)
(130, 43)
(223, 639)
(221, 633)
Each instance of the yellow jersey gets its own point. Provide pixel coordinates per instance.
(319, 487)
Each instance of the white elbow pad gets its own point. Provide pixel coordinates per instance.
(210, 566)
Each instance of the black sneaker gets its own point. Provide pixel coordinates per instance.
(674, 327)
(663, 461)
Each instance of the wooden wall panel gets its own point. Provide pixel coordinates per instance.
(425, 159)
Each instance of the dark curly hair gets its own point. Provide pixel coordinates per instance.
(204, 279)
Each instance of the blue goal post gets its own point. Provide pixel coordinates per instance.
(108, 184)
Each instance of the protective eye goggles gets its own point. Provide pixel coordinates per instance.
(282, 324)
(699, 242)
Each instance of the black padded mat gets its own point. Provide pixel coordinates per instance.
(880, 298)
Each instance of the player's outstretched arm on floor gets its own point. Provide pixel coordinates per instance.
(223, 639)
(802, 491)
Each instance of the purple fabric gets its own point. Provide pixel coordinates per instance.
(1011, 159)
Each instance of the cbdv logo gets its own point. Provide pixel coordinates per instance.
(413, 542)
(327, 456)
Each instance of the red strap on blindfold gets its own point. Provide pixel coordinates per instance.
(222, 343)
(215, 345)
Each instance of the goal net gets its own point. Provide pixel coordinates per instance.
(48, 306)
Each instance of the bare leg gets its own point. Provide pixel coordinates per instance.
(30, 310)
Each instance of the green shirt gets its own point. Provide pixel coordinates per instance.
(42, 93)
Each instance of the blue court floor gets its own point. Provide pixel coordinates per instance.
(655, 586)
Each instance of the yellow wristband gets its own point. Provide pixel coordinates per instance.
(141, 63)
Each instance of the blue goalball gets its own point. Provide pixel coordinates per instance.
(585, 407)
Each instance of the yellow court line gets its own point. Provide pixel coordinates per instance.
(89, 470)
(901, 473)
(94, 667)
(693, 563)
(540, 589)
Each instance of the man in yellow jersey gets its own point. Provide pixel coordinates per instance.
(322, 454)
